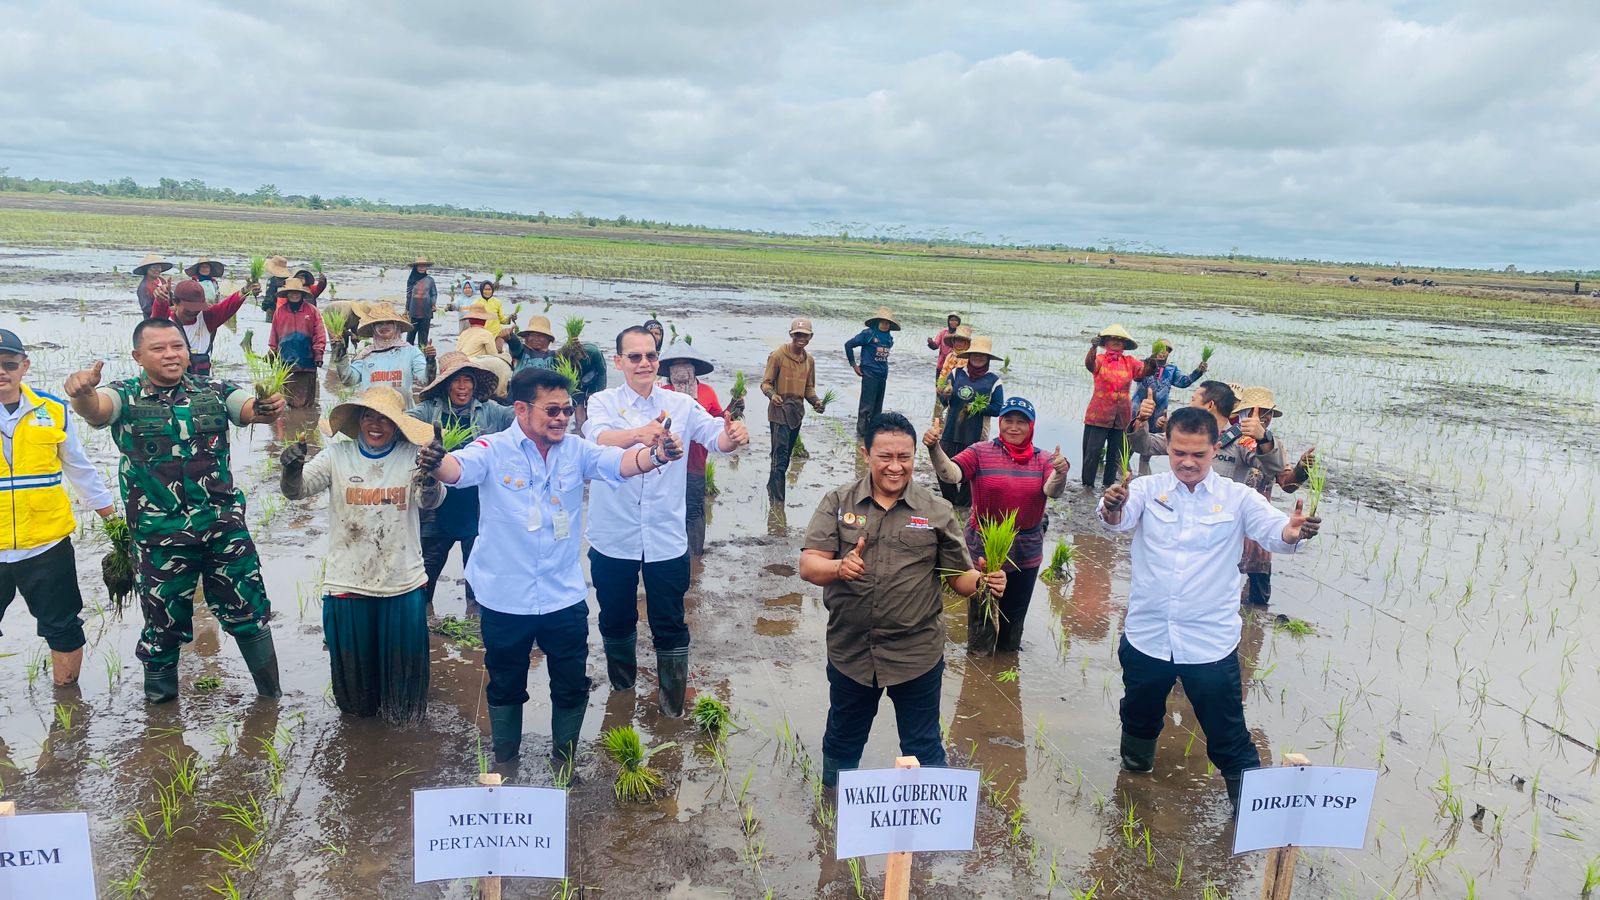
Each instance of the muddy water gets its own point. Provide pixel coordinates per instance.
(1451, 646)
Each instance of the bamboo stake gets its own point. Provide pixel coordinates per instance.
(1279, 881)
(489, 886)
(897, 877)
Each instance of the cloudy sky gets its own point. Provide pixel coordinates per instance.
(1463, 132)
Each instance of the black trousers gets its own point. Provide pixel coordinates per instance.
(783, 440)
(562, 636)
(1213, 690)
(872, 390)
(616, 587)
(435, 552)
(419, 331)
(49, 586)
(1111, 440)
(1258, 588)
(852, 706)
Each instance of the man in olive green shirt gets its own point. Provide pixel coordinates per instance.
(879, 547)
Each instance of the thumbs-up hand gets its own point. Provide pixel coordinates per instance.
(852, 566)
(670, 444)
(430, 456)
(930, 438)
(293, 456)
(1147, 408)
(1251, 425)
(1058, 462)
(1308, 459)
(83, 384)
(1301, 527)
(735, 430)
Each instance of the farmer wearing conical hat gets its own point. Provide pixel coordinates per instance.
(151, 285)
(388, 360)
(374, 619)
(460, 398)
(277, 272)
(875, 341)
(530, 347)
(684, 369)
(186, 516)
(958, 342)
(299, 340)
(790, 382)
(972, 394)
(42, 447)
(206, 271)
(1110, 412)
(1158, 384)
(200, 322)
(483, 345)
(1259, 403)
(422, 295)
(941, 342)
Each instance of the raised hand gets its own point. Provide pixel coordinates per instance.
(428, 351)
(268, 409)
(650, 433)
(930, 438)
(1115, 496)
(671, 445)
(1307, 460)
(735, 430)
(293, 456)
(1147, 408)
(84, 383)
(1058, 462)
(1301, 527)
(431, 455)
(852, 566)
(1251, 425)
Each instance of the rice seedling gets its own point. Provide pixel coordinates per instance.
(1060, 562)
(712, 716)
(1316, 481)
(116, 567)
(1297, 627)
(333, 322)
(247, 813)
(1009, 676)
(855, 877)
(997, 536)
(64, 716)
(941, 384)
(186, 772)
(269, 373)
(239, 854)
(711, 479)
(1159, 347)
(499, 276)
(799, 451)
(976, 406)
(736, 395)
(636, 780)
(1205, 353)
(463, 631)
(1591, 877)
(316, 264)
(1125, 462)
(458, 434)
(207, 684)
(133, 885)
(258, 268)
(567, 369)
(688, 339)
(37, 665)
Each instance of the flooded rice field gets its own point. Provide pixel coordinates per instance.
(1450, 645)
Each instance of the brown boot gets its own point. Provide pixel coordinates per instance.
(64, 667)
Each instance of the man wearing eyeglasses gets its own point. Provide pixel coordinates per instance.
(529, 579)
(638, 528)
(41, 446)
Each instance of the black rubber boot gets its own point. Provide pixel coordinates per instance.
(695, 530)
(565, 726)
(505, 731)
(831, 768)
(262, 658)
(1138, 754)
(672, 670)
(1235, 785)
(160, 685)
(622, 661)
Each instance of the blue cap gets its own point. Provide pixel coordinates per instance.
(10, 343)
(1017, 404)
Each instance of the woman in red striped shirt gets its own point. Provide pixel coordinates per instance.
(1005, 474)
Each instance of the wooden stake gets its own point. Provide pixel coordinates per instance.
(8, 808)
(897, 877)
(1279, 881)
(489, 886)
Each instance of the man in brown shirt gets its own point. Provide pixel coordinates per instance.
(789, 382)
(879, 547)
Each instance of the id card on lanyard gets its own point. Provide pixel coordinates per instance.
(560, 519)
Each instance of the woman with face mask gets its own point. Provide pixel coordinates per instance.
(388, 360)
(683, 370)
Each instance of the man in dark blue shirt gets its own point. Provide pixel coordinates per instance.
(874, 341)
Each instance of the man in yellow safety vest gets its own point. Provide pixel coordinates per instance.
(41, 447)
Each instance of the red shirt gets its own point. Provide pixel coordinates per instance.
(1000, 485)
(698, 454)
(1114, 374)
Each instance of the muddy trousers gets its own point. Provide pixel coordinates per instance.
(378, 654)
(419, 331)
(694, 512)
(784, 440)
(49, 586)
(300, 390)
(982, 634)
(1096, 440)
(873, 388)
(435, 552)
(1258, 588)
(224, 560)
(853, 705)
(562, 636)
(1213, 690)
(616, 587)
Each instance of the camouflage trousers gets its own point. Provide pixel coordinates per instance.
(224, 561)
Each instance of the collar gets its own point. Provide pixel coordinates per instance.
(789, 351)
(148, 388)
(1207, 485)
(634, 396)
(30, 400)
(376, 454)
(861, 492)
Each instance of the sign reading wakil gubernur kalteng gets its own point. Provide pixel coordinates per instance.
(1304, 806)
(46, 855)
(906, 810)
(471, 832)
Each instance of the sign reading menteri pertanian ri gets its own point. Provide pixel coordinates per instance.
(1304, 806)
(46, 855)
(905, 810)
(471, 832)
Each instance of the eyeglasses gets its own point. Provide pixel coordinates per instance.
(636, 358)
(552, 410)
(11, 365)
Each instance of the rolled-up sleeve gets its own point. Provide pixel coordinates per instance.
(1263, 523)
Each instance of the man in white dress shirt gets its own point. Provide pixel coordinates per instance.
(1183, 601)
(526, 571)
(638, 527)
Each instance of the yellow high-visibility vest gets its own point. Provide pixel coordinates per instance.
(34, 508)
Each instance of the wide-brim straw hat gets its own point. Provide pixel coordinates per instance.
(474, 311)
(982, 345)
(387, 402)
(421, 261)
(1257, 398)
(151, 259)
(373, 313)
(454, 363)
(884, 314)
(678, 354)
(1117, 331)
(538, 325)
(294, 286)
(963, 333)
(216, 268)
(278, 267)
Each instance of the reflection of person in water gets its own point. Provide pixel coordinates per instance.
(1090, 612)
(987, 723)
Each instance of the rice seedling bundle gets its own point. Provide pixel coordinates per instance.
(711, 479)
(566, 369)
(1060, 560)
(316, 264)
(828, 396)
(116, 568)
(456, 435)
(258, 268)
(736, 395)
(1125, 461)
(976, 406)
(997, 537)
(269, 373)
(1159, 347)
(333, 321)
(712, 716)
(635, 780)
(499, 276)
(1205, 353)
(1316, 481)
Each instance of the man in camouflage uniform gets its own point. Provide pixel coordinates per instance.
(186, 515)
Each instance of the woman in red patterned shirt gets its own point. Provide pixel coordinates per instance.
(1110, 412)
(1005, 474)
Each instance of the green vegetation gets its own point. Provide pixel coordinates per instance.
(207, 684)
(116, 569)
(737, 393)
(269, 373)
(712, 716)
(457, 434)
(711, 479)
(566, 369)
(1060, 561)
(463, 631)
(636, 780)
(1316, 482)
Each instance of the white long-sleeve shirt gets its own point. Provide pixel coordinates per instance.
(1183, 603)
(75, 466)
(643, 518)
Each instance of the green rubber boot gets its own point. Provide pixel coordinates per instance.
(831, 768)
(1138, 754)
(160, 685)
(262, 658)
(622, 661)
(672, 670)
(565, 726)
(505, 732)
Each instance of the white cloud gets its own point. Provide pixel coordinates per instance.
(1460, 133)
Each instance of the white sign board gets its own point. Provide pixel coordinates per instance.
(46, 855)
(904, 810)
(470, 832)
(1304, 806)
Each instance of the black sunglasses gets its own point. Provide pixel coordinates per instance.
(11, 365)
(636, 357)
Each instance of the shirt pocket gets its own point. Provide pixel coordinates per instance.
(1215, 528)
(512, 478)
(1162, 525)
